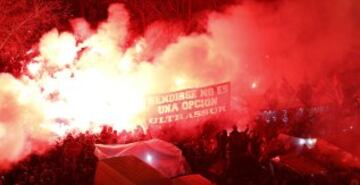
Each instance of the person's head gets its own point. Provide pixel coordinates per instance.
(235, 127)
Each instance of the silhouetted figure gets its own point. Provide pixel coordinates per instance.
(234, 143)
(139, 133)
(244, 141)
(255, 145)
(222, 140)
(234, 138)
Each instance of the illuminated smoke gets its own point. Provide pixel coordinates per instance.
(87, 78)
(90, 79)
(21, 121)
(100, 84)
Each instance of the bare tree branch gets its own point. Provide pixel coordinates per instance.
(22, 22)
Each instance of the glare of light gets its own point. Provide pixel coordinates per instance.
(149, 158)
(311, 142)
(118, 105)
(34, 68)
(126, 63)
(59, 130)
(58, 49)
(301, 141)
(179, 81)
(254, 85)
(23, 97)
(276, 159)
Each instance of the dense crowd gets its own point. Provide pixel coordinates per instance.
(226, 157)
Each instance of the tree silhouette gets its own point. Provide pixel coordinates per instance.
(22, 22)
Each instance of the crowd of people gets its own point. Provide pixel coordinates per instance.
(226, 157)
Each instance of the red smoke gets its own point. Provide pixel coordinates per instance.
(89, 77)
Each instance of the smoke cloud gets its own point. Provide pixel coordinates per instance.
(21, 131)
(263, 43)
(89, 77)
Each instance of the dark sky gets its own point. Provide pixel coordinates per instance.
(144, 13)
